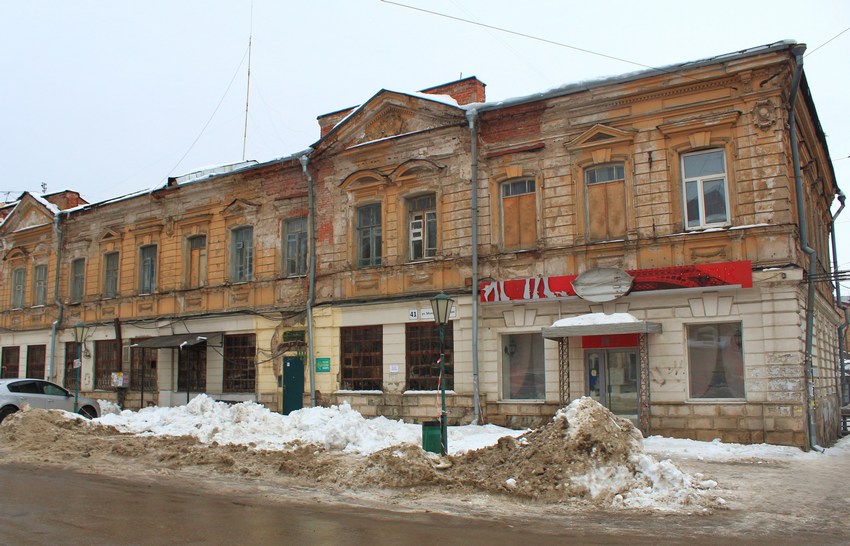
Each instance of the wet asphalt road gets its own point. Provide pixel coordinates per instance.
(47, 505)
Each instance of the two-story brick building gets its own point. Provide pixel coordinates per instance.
(646, 240)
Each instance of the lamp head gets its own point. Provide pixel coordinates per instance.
(80, 332)
(441, 304)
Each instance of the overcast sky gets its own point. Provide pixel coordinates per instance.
(110, 97)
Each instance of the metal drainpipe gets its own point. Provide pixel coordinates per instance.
(841, 327)
(311, 205)
(472, 117)
(798, 51)
(58, 230)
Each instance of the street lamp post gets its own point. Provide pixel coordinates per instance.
(79, 337)
(441, 304)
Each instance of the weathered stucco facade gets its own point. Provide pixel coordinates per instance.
(678, 182)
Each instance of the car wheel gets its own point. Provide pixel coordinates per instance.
(88, 412)
(7, 411)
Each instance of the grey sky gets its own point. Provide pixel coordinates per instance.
(105, 97)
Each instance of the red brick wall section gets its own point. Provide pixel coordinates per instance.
(328, 121)
(464, 91)
(515, 123)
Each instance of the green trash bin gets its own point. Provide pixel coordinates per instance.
(431, 436)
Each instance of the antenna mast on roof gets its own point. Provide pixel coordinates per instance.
(248, 90)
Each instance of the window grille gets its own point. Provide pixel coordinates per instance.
(240, 353)
(422, 341)
(192, 368)
(107, 360)
(36, 356)
(362, 357)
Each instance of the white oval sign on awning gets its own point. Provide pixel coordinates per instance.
(603, 284)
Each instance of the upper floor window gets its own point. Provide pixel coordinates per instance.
(147, 269)
(110, 275)
(519, 213)
(295, 260)
(422, 217)
(242, 257)
(40, 287)
(78, 279)
(19, 283)
(369, 235)
(706, 197)
(606, 201)
(196, 266)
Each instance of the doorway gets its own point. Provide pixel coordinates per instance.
(293, 384)
(611, 377)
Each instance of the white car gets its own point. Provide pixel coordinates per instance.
(37, 393)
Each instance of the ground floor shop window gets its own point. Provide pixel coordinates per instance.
(72, 352)
(422, 341)
(143, 363)
(192, 368)
(10, 362)
(240, 354)
(715, 360)
(523, 369)
(36, 356)
(362, 358)
(107, 361)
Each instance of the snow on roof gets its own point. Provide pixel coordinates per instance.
(50, 206)
(592, 319)
(586, 85)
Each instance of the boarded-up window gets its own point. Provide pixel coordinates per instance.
(423, 352)
(606, 202)
(197, 261)
(36, 356)
(107, 360)
(519, 214)
(362, 357)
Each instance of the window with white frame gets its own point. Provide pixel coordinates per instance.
(705, 189)
(19, 284)
(716, 360)
(147, 269)
(369, 235)
(40, 287)
(295, 253)
(78, 279)
(110, 275)
(242, 255)
(519, 213)
(422, 218)
(605, 201)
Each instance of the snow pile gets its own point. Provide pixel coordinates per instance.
(337, 428)
(721, 452)
(586, 453)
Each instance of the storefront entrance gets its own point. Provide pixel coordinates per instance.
(612, 379)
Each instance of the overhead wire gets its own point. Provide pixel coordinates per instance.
(226, 91)
(536, 38)
(826, 42)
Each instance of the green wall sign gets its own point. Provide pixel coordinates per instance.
(323, 364)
